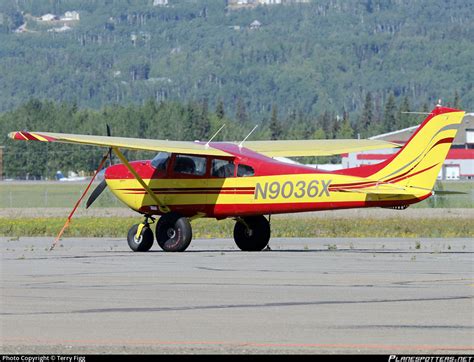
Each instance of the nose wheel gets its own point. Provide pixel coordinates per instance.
(140, 236)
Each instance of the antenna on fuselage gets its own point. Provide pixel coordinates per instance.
(245, 139)
(215, 134)
(425, 113)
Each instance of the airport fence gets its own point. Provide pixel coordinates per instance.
(49, 194)
(54, 194)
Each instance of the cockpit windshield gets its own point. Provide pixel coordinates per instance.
(160, 161)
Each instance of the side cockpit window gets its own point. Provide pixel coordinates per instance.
(244, 170)
(160, 161)
(222, 168)
(190, 165)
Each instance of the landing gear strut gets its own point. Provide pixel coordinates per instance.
(140, 236)
(252, 233)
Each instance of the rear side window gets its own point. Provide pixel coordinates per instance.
(222, 168)
(244, 170)
(190, 165)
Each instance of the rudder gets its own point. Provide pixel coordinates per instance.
(418, 163)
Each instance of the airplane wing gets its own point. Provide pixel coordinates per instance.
(121, 142)
(267, 148)
(316, 147)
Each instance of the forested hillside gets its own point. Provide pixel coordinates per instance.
(327, 55)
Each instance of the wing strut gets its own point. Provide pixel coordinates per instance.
(162, 206)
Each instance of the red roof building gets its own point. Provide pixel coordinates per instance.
(459, 163)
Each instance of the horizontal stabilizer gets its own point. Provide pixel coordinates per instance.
(446, 192)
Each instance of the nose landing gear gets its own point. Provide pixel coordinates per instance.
(140, 236)
(173, 233)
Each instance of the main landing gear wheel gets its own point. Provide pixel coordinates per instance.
(143, 242)
(173, 232)
(252, 233)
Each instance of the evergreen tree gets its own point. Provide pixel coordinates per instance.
(405, 119)
(335, 126)
(457, 100)
(203, 125)
(366, 119)
(390, 114)
(276, 130)
(220, 111)
(308, 128)
(193, 115)
(325, 123)
(241, 113)
(319, 134)
(345, 131)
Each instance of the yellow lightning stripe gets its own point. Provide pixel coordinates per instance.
(40, 138)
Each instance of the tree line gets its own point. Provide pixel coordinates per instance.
(190, 121)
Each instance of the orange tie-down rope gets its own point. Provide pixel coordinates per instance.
(68, 221)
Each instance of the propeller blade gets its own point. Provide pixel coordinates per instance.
(95, 194)
(110, 149)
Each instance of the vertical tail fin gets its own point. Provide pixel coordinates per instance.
(418, 163)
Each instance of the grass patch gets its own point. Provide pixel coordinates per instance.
(281, 227)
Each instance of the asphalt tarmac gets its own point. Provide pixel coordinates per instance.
(389, 296)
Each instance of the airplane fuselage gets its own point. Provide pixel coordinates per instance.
(268, 187)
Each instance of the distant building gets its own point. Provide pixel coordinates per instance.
(255, 25)
(237, 4)
(160, 2)
(60, 30)
(459, 163)
(21, 29)
(71, 16)
(49, 17)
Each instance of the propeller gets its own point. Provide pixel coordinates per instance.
(100, 187)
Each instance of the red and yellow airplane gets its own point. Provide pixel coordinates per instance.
(187, 180)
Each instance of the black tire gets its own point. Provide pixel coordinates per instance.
(173, 232)
(144, 242)
(253, 234)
